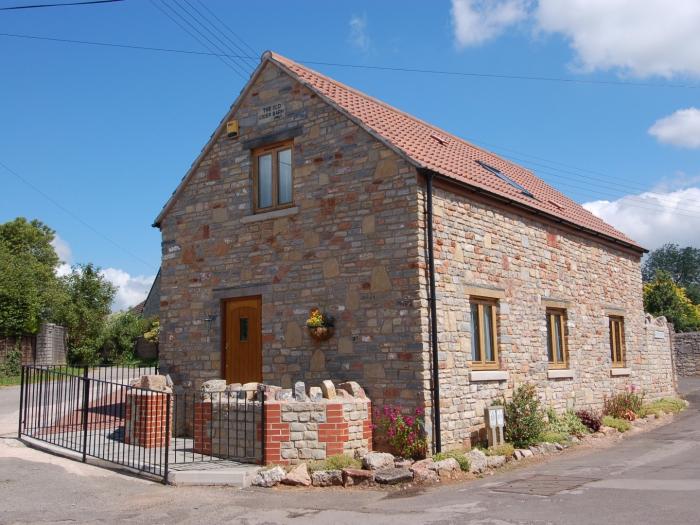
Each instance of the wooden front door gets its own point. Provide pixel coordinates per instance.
(242, 340)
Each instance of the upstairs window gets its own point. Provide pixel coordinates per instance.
(272, 177)
(617, 341)
(505, 178)
(557, 351)
(484, 334)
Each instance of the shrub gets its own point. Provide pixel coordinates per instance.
(590, 419)
(568, 423)
(524, 418)
(120, 335)
(506, 449)
(667, 405)
(83, 355)
(404, 434)
(617, 423)
(12, 365)
(549, 436)
(338, 462)
(461, 458)
(625, 405)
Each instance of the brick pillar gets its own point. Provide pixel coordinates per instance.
(367, 426)
(202, 427)
(145, 422)
(334, 432)
(276, 433)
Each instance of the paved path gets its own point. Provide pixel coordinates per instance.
(653, 477)
(9, 410)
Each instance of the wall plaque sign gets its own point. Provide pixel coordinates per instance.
(271, 112)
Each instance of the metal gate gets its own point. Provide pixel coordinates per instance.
(98, 414)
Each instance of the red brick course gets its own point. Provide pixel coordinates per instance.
(145, 422)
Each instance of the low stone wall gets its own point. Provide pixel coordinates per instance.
(292, 427)
(653, 371)
(686, 349)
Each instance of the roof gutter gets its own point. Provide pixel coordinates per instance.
(437, 435)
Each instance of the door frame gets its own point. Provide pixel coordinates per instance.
(222, 310)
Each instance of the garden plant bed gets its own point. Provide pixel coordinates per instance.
(381, 471)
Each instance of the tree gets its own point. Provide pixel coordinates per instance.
(30, 292)
(663, 296)
(89, 297)
(682, 264)
(119, 336)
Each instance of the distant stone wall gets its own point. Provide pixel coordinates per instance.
(48, 347)
(654, 369)
(686, 349)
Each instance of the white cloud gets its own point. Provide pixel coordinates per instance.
(681, 128)
(131, 289)
(654, 218)
(637, 37)
(358, 32)
(64, 254)
(477, 21)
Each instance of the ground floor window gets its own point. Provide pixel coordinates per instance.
(617, 341)
(484, 334)
(557, 350)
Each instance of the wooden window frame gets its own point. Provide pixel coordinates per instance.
(618, 350)
(273, 150)
(557, 316)
(480, 303)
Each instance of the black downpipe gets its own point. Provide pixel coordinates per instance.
(437, 438)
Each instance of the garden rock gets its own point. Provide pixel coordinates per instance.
(424, 463)
(356, 476)
(446, 467)
(378, 460)
(299, 475)
(393, 475)
(559, 447)
(477, 461)
(526, 452)
(402, 463)
(327, 478)
(548, 448)
(269, 477)
(423, 474)
(495, 461)
(536, 451)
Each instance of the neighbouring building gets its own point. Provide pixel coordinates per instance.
(450, 271)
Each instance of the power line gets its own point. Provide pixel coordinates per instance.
(371, 67)
(225, 25)
(67, 4)
(220, 56)
(76, 217)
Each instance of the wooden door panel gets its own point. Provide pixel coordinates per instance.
(243, 341)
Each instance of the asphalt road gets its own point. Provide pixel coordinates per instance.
(653, 477)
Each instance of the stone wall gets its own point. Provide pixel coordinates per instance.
(526, 264)
(686, 350)
(47, 347)
(348, 247)
(288, 428)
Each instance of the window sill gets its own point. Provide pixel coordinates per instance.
(488, 375)
(614, 372)
(274, 214)
(560, 373)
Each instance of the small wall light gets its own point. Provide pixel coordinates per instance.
(494, 416)
(209, 319)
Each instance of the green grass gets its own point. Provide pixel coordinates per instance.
(550, 436)
(667, 405)
(9, 380)
(461, 458)
(617, 423)
(338, 462)
(506, 449)
(14, 380)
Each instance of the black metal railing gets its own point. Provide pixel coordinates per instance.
(219, 426)
(88, 414)
(98, 414)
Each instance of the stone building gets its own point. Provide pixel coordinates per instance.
(451, 273)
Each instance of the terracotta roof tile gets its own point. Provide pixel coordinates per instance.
(432, 148)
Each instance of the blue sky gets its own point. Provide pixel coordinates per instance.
(109, 132)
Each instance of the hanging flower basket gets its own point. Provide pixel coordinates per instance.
(320, 326)
(321, 333)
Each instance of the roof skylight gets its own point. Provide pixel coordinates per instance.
(505, 178)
